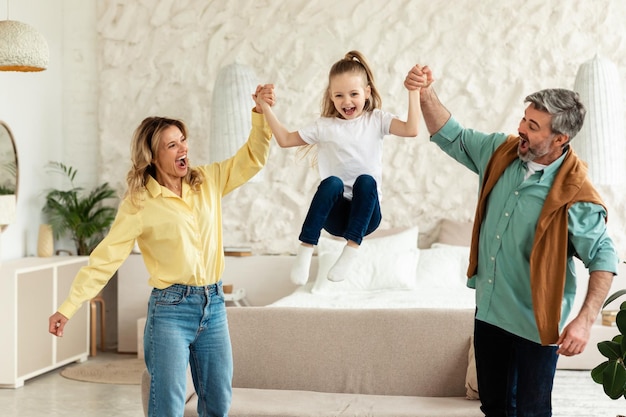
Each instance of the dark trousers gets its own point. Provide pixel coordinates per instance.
(515, 375)
(351, 219)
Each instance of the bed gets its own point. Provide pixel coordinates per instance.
(393, 272)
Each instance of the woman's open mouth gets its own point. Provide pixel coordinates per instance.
(181, 162)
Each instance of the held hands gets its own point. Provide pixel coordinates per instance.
(419, 77)
(263, 96)
(57, 323)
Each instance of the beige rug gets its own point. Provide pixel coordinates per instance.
(120, 371)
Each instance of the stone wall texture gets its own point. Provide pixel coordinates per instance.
(162, 57)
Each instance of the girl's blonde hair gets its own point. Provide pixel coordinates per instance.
(144, 148)
(355, 62)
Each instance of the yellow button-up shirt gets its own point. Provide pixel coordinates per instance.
(180, 238)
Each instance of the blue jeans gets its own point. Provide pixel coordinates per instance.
(515, 375)
(188, 326)
(351, 219)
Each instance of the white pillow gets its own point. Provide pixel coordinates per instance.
(384, 263)
(442, 266)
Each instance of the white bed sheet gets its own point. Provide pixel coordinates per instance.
(458, 298)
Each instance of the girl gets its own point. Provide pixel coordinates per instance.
(349, 135)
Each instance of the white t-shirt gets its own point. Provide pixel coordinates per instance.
(349, 148)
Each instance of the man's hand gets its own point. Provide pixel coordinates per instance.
(419, 77)
(574, 337)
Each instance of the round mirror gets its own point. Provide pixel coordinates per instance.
(8, 176)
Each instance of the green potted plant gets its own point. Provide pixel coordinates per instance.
(78, 213)
(611, 374)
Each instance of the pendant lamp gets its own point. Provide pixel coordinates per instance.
(22, 48)
(230, 111)
(601, 142)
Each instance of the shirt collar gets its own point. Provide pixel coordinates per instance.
(549, 171)
(153, 187)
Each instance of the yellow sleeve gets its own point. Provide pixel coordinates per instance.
(105, 259)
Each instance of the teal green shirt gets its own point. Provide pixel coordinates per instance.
(502, 281)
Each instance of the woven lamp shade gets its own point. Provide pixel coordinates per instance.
(22, 48)
(601, 142)
(230, 111)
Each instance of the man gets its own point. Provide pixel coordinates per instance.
(536, 209)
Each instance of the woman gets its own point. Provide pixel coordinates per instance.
(173, 212)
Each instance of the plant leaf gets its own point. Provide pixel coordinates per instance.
(597, 372)
(614, 379)
(610, 349)
(614, 297)
(620, 320)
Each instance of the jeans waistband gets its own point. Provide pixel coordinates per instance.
(203, 289)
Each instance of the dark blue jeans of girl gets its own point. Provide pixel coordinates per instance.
(515, 375)
(331, 211)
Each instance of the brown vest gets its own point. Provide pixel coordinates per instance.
(548, 258)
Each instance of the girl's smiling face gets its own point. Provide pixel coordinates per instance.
(171, 158)
(349, 91)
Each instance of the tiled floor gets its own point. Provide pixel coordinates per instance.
(53, 395)
(575, 395)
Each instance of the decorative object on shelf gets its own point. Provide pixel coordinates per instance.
(230, 111)
(22, 47)
(45, 241)
(81, 215)
(600, 142)
(608, 317)
(237, 251)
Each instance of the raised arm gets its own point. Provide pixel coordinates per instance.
(434, 113)
(410, 127)
(284, 137)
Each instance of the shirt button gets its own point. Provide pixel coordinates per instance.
(506, 214)
(516, 192)
(493, 259)
(498, 237)
(490, 281)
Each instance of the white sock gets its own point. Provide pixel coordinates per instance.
(344, 267)
(300, 268)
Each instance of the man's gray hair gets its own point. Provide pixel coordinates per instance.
(565, 107)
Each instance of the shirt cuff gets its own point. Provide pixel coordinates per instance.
(258, 120)
(67, 309)
(449, 132)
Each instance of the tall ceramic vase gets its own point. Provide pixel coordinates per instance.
(45, 241)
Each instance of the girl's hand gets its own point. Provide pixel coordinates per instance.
(263, 96)
(418, 77)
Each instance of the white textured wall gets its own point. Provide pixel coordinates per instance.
(161, 57)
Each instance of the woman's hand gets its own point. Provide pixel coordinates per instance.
(57, 324)
(263, 96)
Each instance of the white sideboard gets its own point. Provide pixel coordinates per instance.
(31, 290)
